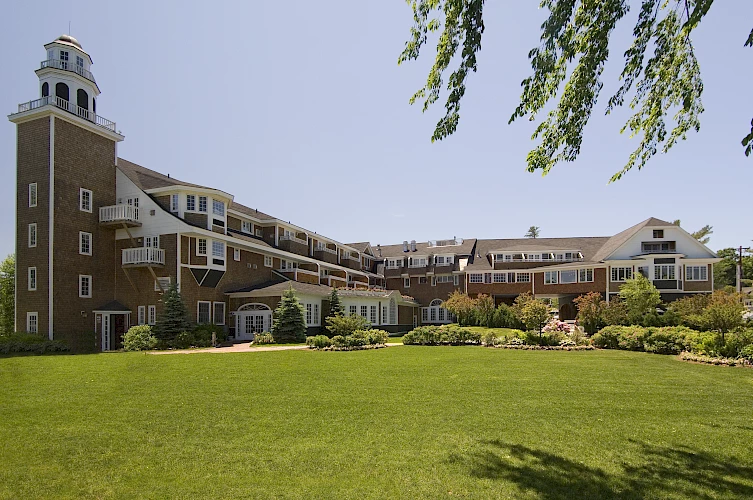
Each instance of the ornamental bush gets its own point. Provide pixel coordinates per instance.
(346, 325)
(318, 341)
(441, 335)
(30, 343)
(139, 338)
(263, 338)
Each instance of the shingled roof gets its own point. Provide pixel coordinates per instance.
(588, 246)
(423, 248)
(147, 179)
(276, 289)
(621, 238)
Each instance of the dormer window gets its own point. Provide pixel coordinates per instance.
(246, 227)
(191, 202)
(80, 62)
(218, 208)
(658, 233)
(202, 203)
(64, 59)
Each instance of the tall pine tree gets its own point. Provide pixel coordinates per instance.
(174, 317)
(289, 323)
(335, 306)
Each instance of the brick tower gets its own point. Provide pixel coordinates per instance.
(66, 157)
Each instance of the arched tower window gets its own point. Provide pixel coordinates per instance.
(45, 89)
(61, 91)
(94, 106)
(82, 99)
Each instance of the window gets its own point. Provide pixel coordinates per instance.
(309, 314)
(622, 273)
(439, 260)
(523, 277)
(33, 194)
(394, 263)
(218, 208)
(417, 262)
(373, 316)
(142, 315)
(32, 279)
(32, 235)
(237, 254)
(455, 280)
(174, 203)
(63, 59)
(203, 312)
(365, 312)
(80, 62)
(585, 275)
(476, 278)
(570, 276)
(191, 202)
(406, 282)
(45, 89)
(151, 241)
(424, 314)
(84, 286)
(218, 249)
(32, 322)
(658, 233)
(85, 200)
(696, 273)
(219, 313)
(259, 232)
(446, 279)
(550, 277)
(246, 227)
(324, 273)
(500, 278)
(664, 272)
(152, 319)
(162, 284)
(202, 203)
(352, 310)
(487, 278)
(84, 243)
(659, 247)
(267, 261)
(316, 314)
(422, 280)
(201, 247)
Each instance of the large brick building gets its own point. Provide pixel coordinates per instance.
(99, 239)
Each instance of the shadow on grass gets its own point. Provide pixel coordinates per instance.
(660, 472)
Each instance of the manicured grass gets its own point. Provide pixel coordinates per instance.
(401, 422)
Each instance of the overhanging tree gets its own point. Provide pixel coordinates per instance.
(569, 63)
(289, 323)
(7, 295)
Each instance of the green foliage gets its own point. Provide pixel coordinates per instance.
(318, 341)
(359, 339)
(462, 306)
(590, 311)
(174, 317)
(483, 311)
(724, 312)
(747, 353)
(263, 338)
(346, 325)
(441, 335)
(30, 343)
(725, 271)
(689, 310)
(672, 340)
(7, 295)
(335, 306)
(533, 232)
(203, 334)
(139, 338)
(505, 317)
(289, 325)
(641, 297)
(534, 315)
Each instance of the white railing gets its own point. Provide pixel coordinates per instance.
(418, 264)
(67, 106)
(143, 255)
(293, 238)
(324, 248)
(347, 256)
(118, 213)
(67, 66)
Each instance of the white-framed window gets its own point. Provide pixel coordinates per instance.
(323, 273)
(373, 315)
(658, 233)
(84, 286)
(202, 203)
(365, 312)
(32, 194)
(456, 280)
(85, 200)
(218, 249)
(151, 241)
(417, 262)
(141, 315)
(622, 273)
(84, 243)
(32, 322)
(406, 282)
(219, 313)
(394, 263)
(569, 276)
(64, 59)
(309, 314)
(523, 277)
(268, 261)
(174, 203)
(664, 272)
(316, 314)
(237, 254)
(424, 314)
(352, 310)
(696, 273)
(32, 235)
(259, 232)
(80, 62)
(191, 202)
(246, 227)
(203, 312)
(152, 318)
(201, 246)
(446, 279)
(476, 278)
(500, 278)
(162, 283)
(218, 208)
(550, 277)
(585, 275)
(32, 280)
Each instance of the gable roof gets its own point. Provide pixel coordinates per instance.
(361, 246)
(423, 248)
(588, 246)
(147, 179)
(621, 238)
(276, 289)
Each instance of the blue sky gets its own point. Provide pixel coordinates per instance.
(299, 109)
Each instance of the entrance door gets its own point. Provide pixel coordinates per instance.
(248, 324)
(117, 328)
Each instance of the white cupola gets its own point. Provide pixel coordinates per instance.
(66, 74)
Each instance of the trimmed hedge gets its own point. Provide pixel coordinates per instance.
(441, 335)
(673, 340)
(359, 339)
(263, 338)
(30, 343)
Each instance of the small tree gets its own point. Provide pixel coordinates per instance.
(590, 311)
(289, 323)
(483, 310)
(724, 312)
(533, 232)
(689, 310)
(615, 312)
(139, 338)
(346, 325)
(641, 297)
(461, 305)
(174, 318)
(335, 306)
(8, 295)
(520, 302)
(535, 315)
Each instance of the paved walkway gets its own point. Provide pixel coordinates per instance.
(244, 347)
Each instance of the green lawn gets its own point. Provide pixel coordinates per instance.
(401, 422)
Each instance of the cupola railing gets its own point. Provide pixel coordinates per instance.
(61, 103)
(68, 66)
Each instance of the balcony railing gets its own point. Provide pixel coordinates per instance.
(322, 248)
(118, 213)
(67, 106)
(293, 238)
(143, 256)
(68, 66)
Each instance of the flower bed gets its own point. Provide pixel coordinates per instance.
(526, 347)
(710, 360)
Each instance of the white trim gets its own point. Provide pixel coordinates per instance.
(36, 194)
(204, 191)
(198, 304)
(29, 286)
(30, 315)
(81, 206)
(151, 318)
(81, 241)
(198, 246)
(32, 242)
(81, 278)
(214, 313)
(691, 268)
(270, 259)
(236, 254)
(406, 282)
(141, 315)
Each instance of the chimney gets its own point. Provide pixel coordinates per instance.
(379, 249)
(405, 245)
(413, 245)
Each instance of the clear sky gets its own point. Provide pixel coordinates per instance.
(299, 109)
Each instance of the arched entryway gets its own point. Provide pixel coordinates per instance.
(251, 319)
(567, 311)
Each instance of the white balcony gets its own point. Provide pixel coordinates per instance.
(143, 256)
(323, 248)
(289, 237)
(67, 66)
(69, 106)
(116, 215)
